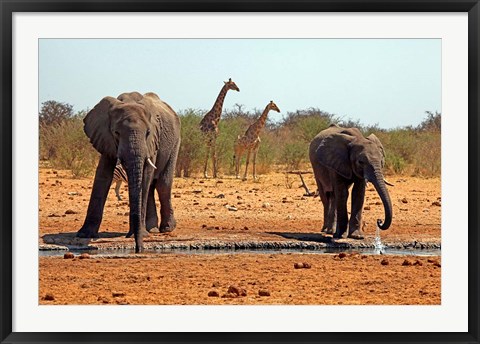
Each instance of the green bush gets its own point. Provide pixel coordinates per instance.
(284, 144)
(192, 147)
(67, 147)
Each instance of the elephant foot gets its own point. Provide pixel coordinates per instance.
(168, 226)
(143, 233)
(339, 235)
(85, 232)
(153, 230)
(358, 234)
(327, 230)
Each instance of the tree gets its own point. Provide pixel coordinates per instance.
(53, 112)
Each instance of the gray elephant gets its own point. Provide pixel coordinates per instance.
(143, 133)
(341, 157)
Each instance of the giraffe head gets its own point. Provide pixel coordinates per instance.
(231, 85)
(273, 106)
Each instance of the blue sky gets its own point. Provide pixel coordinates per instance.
(389, 82)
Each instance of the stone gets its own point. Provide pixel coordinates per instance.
(342, 255)
(213, 293)
(384, 262)
(49, 297)
(84, 256)
(298, 265)
(118, 294)
(406, 262)
(263, 292)
(68, 255)
(237, 291)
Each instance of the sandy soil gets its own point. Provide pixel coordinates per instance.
(226, 211)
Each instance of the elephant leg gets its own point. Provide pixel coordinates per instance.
(326, 198)
(246, 165)
(355, 224)
(146, 184)
(151, 219)
(101, 186)
(330, 213)
(341, 196)
(164, 189)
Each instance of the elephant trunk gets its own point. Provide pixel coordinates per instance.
(135, 178)
(377, 179)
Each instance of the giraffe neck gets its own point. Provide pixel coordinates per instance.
(260, 123)
(217, 106)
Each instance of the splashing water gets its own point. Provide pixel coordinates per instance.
(379, 247)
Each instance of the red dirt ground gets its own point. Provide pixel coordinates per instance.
(272, 209)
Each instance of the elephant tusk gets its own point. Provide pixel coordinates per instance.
(151, 163)
(390, 184)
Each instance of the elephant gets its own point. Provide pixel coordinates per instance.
(341, 157)
(143, 133)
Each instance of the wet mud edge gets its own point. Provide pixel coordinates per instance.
(244, 245)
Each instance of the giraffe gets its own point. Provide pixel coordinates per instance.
(250, 142)
(209, 125)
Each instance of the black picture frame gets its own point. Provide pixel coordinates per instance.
(8, 7)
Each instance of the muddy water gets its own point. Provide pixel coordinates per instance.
(131, 253)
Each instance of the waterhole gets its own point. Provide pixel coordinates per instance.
(131, 253)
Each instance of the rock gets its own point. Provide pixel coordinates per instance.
(118, 294)
(84, 256)
(213, 293)
(197, 191)
(229, 295)
(237, 291)
(366, 207)
(437, 203)
(298, 265)
(263, 292)
(220, 196)
(216, 284)
(404, 200)
(307, 266)
(68, 255)
(70, 211)
(384, 262)
(49, 297)
(342, 255)
(231, 208)
(417, 262)
(266, 205)
(406, 262)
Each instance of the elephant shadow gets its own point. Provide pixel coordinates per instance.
(71, 241)
(315, 237)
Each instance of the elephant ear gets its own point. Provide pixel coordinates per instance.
(333, 152)
(374, 139)
(97, 127)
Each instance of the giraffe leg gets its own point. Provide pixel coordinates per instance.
(246, 164)
(255, 163)
(206, 162)
(214, 158)
(238, 158)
